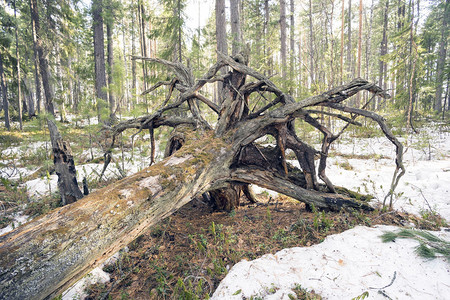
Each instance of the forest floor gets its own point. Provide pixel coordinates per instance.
(190, 253)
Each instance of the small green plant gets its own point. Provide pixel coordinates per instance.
(303, 294)
(321, 222)
(429, 244)
(362, 296)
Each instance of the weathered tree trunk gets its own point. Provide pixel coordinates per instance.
(44, 257)
(47, 255)
(64, 166)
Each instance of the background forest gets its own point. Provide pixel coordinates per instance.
(75, 56)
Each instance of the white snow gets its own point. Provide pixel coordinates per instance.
(343, 267)
(346, 265)
(18, 219)
(425, 185)
(97, 275)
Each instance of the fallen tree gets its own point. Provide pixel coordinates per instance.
(45, 256)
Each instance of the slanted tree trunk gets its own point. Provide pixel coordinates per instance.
(64, 166)
(45, 256)
(43, 62)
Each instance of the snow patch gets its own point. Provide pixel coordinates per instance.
(343, 267)
(97, 275)
(177, 160)
(18, 219)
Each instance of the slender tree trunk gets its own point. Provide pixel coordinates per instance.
(143, 44)
(59, 63)
(342, 40)
(267, 50)
(31, 103)
(349, 39)
(19, 81)
(4, 94)
(43, 62)
(359, 48)
(235, 26)
(292, 46)
(37, 81)
(133, 50)
(179, 30)
(383, 49)
(283, 37)
(99, 54)
(332, 81)
(442, 57)
(126, 88)
(221, 38)
(311, 45)
(112, 100)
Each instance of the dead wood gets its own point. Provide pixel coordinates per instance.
(42, 258)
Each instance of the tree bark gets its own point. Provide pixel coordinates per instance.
(99, 59)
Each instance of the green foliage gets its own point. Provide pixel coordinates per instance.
(362, 296)
(429, 244)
